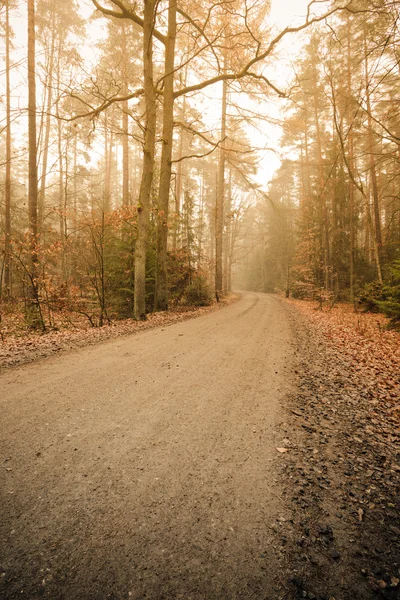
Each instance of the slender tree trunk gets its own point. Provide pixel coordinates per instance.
(179, 179)
(201, 221)
(148, 163)
(368, 247)
(219, 205)
(75, 184)
(212, 224)
(7, 246)
(161, 291)
(108, 149)
(33, 180)
(227, 241)
(350, 140)
(34, 308)
(372, 165)
(125, 155)
(323, 209)
(47, 127)
(65, 209)
(61, 181)
(125, 130)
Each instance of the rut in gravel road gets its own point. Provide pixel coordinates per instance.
(143, 467)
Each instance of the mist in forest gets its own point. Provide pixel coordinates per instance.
(133, 149)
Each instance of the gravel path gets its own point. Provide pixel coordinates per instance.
(144, 467)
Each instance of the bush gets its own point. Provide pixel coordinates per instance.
(390, 304)
(384, 298)
(369, 296)
(198, 292)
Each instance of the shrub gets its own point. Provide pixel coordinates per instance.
(390, 303)
(198, 292)
(385, 298)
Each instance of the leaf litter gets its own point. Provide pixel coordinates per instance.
(340, 536)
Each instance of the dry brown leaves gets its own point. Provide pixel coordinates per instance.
(371, 350)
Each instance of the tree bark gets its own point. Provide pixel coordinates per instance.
(161, 291)
(219, 204)
(125, 155)
(359, 186)
(322, 204)
(372, 165)
(351, 164)
(125, 130)
(7, 245)
(179, 178)
(34, 308)
(227, 238)
(148, 163)
(47, 127)
(108, 149)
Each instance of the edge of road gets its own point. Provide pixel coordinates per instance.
(15, 352)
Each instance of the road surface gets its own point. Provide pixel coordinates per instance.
(143, 467)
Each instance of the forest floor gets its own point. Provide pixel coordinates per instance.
(252, 453)
(342, 469)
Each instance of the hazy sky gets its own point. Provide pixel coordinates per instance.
(283, 13)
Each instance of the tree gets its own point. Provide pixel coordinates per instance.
(34, 315)
(7, 232)
(246, 67)
(161, 291)
(143, 206)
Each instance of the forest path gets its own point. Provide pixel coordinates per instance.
(143, 467)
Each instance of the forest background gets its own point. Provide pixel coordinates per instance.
(136, 151)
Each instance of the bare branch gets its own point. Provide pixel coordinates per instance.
(96, 111)
(259, 57)
(126, 13)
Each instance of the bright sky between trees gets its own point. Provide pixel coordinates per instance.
(283, 13)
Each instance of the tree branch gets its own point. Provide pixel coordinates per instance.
(259, 57)
(126, 13)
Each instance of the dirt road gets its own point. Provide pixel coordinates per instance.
(143, 467)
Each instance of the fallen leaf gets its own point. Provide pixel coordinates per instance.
(282, 450)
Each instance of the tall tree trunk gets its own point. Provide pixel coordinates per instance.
(371, 150)
(148, 163)
(322, 204)
(34, 306)
(75, 183)
(61, 193)
(7, 245)
(219, 204)
(161, 291)
(47, 127)
(108, 149)
(125, 155)
(350, 141)
(61, 172)
(179, 179)
(125, 129)
(201, 221)
(227, 237)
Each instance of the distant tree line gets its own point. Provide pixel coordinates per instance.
(331, 227)
(118, 198)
